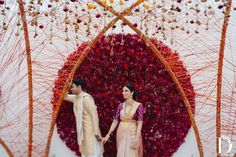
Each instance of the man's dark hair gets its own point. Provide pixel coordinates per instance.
(81, 82)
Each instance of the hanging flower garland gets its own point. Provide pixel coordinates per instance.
(115, 60)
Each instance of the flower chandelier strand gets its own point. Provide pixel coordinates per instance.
(197, 23)
(18, 24)
(66, 20)
(4, 24)
(163, 20)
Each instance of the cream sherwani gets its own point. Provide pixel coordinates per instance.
(87, 124)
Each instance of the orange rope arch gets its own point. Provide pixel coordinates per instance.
(80, 60)
(213, 50)
(154, 49)
(169, 70)
(219, 75)
(30, 81)
(6, 148)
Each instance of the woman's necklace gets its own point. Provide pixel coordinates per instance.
(127, 108)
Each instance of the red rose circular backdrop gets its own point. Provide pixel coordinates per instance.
(114, 61)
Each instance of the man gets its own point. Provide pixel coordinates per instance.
(87, 122)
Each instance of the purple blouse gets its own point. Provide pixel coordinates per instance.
(137, 116)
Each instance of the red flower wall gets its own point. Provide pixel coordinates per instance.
(114, 61)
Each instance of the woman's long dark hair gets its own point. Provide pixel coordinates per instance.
(132, 89)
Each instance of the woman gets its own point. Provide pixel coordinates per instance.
(129, 116)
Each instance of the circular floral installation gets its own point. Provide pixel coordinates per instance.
(115, 60)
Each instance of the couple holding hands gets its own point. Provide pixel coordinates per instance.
(128, 118)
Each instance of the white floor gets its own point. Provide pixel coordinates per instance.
(59, 149)
(187, 149)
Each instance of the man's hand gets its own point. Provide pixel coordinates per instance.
(99, 139)
(70, 82)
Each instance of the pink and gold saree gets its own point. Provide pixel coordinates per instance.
(126, 131)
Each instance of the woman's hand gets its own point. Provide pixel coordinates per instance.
(135, 144)
(105, 139)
